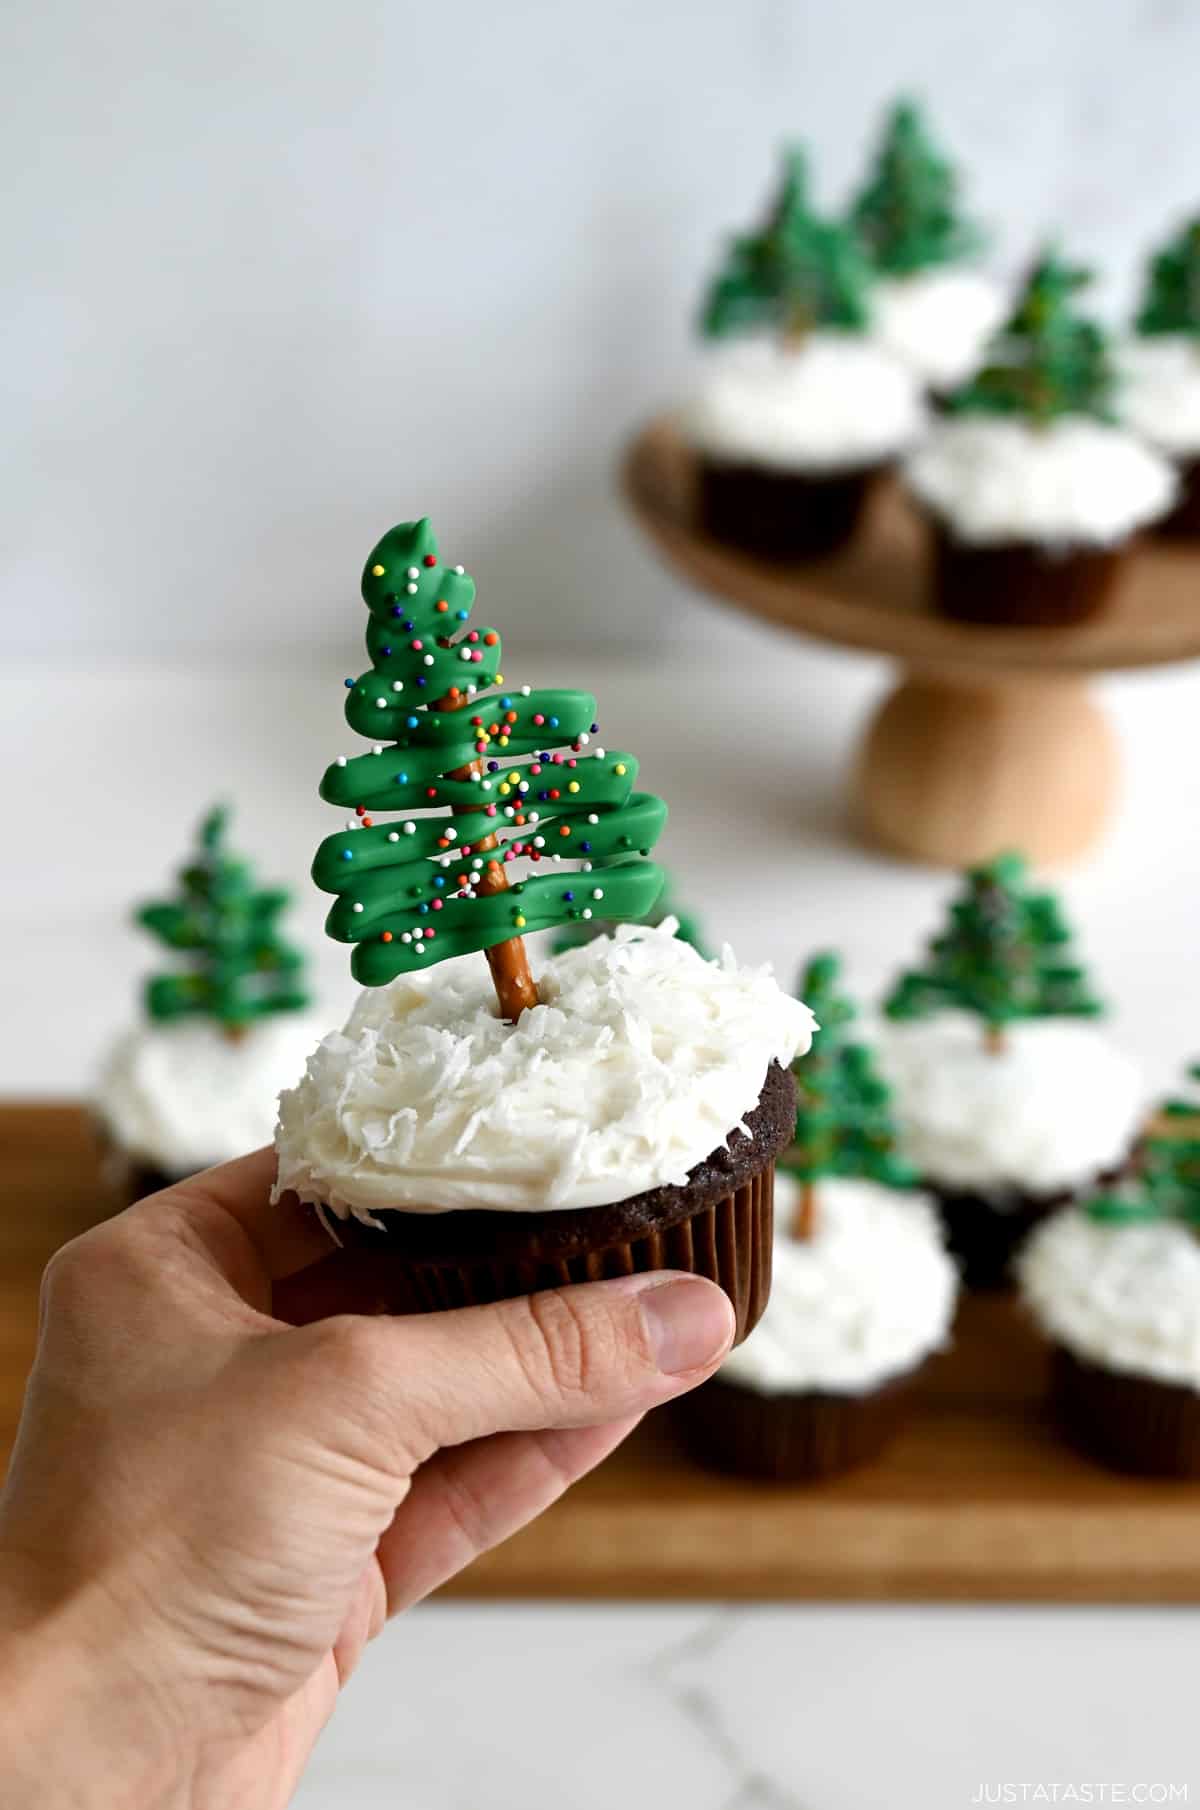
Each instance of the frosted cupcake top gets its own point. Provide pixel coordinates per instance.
(182, 1095)
(1057, 1106)
(640, 1061)
(868, 1297)
(937, 321)
(1160, 390)
(1125, 1296)
(1071, 481)
(836, 402)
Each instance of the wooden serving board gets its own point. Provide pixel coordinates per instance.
(976, 1501)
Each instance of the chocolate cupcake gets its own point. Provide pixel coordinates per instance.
(483, 1132)
(933, 308)
(1159, 366)
(198, 1082)
(793, 423)
(1010, 1101)
(857, 1309)
(1033, 489)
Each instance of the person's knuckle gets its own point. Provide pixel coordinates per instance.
(559, 1348)
(342, 1349)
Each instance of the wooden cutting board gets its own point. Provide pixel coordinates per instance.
(977, 1500)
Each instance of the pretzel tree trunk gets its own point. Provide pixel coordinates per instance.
(804, 1216)
(515, 986)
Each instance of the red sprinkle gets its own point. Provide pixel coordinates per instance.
(429, 560)
(385, 936)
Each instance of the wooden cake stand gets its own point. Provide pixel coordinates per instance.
(991, 738)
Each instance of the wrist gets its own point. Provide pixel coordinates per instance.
(81, 1722)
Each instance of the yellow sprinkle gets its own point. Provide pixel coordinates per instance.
(503, 740)
(499, 678)
(519, 921)
(505, 789)
(574, 786)
(376, 571)
(514, 779)
(620, 767)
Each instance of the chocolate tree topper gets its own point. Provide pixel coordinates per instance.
(907, 213)
(1003, 956)
(843, 1119)
(464, 778)
(1048, 360)
(1171, 298)
(236, 966)
(797, 272)
(1166, 1181)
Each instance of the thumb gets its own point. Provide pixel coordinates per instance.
(570, 1357)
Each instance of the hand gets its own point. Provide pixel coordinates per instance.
(211, 1511)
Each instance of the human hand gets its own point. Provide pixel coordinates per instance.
(211, 1511)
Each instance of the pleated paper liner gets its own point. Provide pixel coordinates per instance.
(1020, 584)
(727, 1240)
(781, 514)
(984, 1237)
(1129, 1423)
(790, 1438)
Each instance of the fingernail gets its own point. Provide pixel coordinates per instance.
(688, 1323)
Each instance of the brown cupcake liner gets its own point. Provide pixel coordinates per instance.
(1183, 521)
(727, 1240)
(126, 1178)
(1020, 585)
(984, 1237)
(791, 1438)
(781, 514)
(1128, 1423)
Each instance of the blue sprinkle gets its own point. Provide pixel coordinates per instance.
(422, 681)
(347, 854)
(349, 684)
(595, 729)
(385, 651)
(554, 722)
(461, 614)
(407, 625)
(586, 847)
(568, 895)
(542, 796)
(506, 703)
(493, 766)
(439, 879)
(397, 610)
(412, 721)
(422, 907)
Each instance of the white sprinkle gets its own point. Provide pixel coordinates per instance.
(393, 835)
(586, 912)
(475, 778)
(597, 892)
(535, 816)
(460, 570)
(381, 703)
(397, 684)
(411, 589)
(465, 654)
(451, 833)
(414, 572)
(584, 740)
(358, 908)
(471, 690)
(444, 860)
(477, 862)
(410, 829)
(592, 817)
(524, 786)
(510, 810)
(406, 936)
(352, 823)
(525, 690)
(486, 784)
(428, 659)
(377, 748)
(539, 842)
(586, 868)
(341, 760)
(598, 753)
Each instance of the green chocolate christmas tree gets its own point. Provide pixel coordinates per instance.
(1171, 300)
(481, 777)
(795, 273)
(907, 214)
(1003, 956)
(1166, 1184)
(1048, 360)
(571, 936)
(843, 1122)
(236, 966)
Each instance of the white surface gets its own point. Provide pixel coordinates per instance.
(1073, 482)
(181, 1096)
(1057, 1106)
(1125, 1296)
(276, 267)
(938, 321)
(641, 1059)
(837, 402)
(520, 1708)
(867, 1297)
(1160, 390)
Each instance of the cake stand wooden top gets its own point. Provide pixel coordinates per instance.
(874, 595)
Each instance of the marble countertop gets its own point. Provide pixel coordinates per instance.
(570, 1708)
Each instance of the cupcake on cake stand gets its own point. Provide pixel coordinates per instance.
(1159, 368)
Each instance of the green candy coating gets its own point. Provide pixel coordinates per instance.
(1171, 297)
(1047, 360)
(405, 888)
(907, 213)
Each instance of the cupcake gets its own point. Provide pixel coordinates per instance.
(668, 911)
(198, 1081)
(795, 419)
(934, 310)
(1114, 1284)
(482, 1133)
(1011, 1098)
(1160, 372)
(1033, 488)
(863, 1290)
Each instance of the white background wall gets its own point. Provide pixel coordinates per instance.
(283, 271)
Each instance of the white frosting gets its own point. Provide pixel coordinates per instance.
(838, 402)
(1160, 390)
(1125, 1296)
(1055, 1108)
(937, 321)
(180, 1096)
(868, 1297)
(641, 1061)
(1074, 481)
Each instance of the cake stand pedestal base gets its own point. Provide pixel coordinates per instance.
(956, 767)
